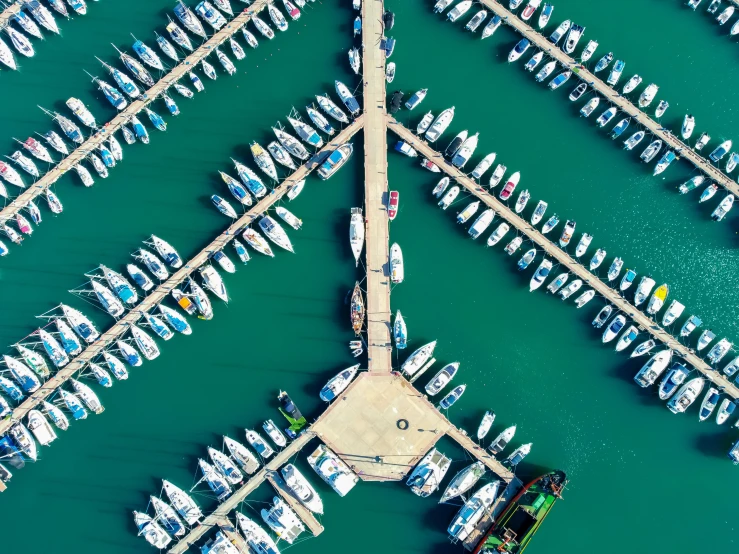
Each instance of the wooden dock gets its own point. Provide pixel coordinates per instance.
(5, 16)
(379, 342)
(562, 257)
(228, 528)
(305, 515)
(122, 325)
(612, 96)
(133, 108)
(220, 515)
(482, 454)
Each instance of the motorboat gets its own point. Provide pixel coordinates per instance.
(661, 108)
(614, 328)
(416, 98)
(615, 269)
(498, 234)
(603, 62)
(418, 359)
(213, 282)
(583, 245)
(256, 441)
(510, 186)
(573, 37)
(651, 151)
(732, 163)
(627, 280)
(672, 380)
(526, 259)
(302, 489)
(459, 10)
(400, 332)
(643, 348)
(476, 21)
(139, 277)
(597, 259)
(545, 15)
(492, 26)
(283, 520)
(338, 384)
(523, 198)
(719, 350)
(650, 371)
(687, 394)
(513, 246)
(648, 95)
(501, 441)
(616, 72)
(589, 108)
(560, 80)
(347, 98)
(426, 477)
(643, 289)
(626, 338)
(664, 162)
(34, 360)
(588, 51)
(558, 282)
(442, 379)
(534, 61)
(690, 325)
(720, 151)
(545, 71)
(88, 397)
(710, 400)
(470, 514)
(633, 140)
(354, 60)
(335, 161)
(518, 50)
(708, 193)
(725, 15)
(468, 212)
(688, 126)
(560, 31)
(497, 176)
(485, 425)
(658, 299)
(482, 222)
(578, 91)
(439, 125)
(116, 366)
(725, 411)
(541, 207)
(483, 166)
(723, 208)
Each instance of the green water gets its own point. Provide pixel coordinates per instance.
(641, 478)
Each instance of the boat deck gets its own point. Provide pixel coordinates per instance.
(122, 325)
(379, 341)
(482, 527)
(305, 515)
(220, 515)
(8, 13)
(612, 96)
(551, 249)
(134, 107)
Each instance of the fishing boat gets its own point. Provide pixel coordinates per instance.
(633, 140)
(523, 198)
(661, 108)
(440, 124)
(651, 151)
(687, 394)
(560, 31)
(534, 61)
(643, 348)
(357, 312)
(573, 37)
(302, 488)
(545, 71)
(650, 372)
(614, 328)
(723, 208)
(589, 108)
(664, 162)
(338, 384)
(560, 80)
(518, 50)
(497, 176)
(541, 207)
(426, 477)
(648, 95)
(545, 15)
(510, 186)
(720, 151)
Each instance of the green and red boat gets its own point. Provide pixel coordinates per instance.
(514, 528)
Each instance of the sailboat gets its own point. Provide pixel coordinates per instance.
(400, 331)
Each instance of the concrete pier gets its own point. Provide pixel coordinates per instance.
(160, 293)
(645, 323)
(379, 341)
(134, 107)
(612, 96)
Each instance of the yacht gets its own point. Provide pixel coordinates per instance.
(333, 470)
(643, 348)
(53, 349)
(442, 379)
(34, 360)
(282, 520)
(73, 404)
(338, 384)
(302, 489)
(483, 166)
(416, 360)
(540, 275)
(597, 259)
(257, 242)
(88, 397)
(573, 37)
(526, 259)
(705, 339)
(213, 282)
(449, 197)
(242, 455)
(428, 474)
(687, 394)
(618, 69)
(688, 126)
(152, 263)
(648, 95)
(732, 163)
(291, 144)
(651, 151)
(440, 124)
(470, 514)
(151, 530)
(106, 298)
(518, 50)
(225, 466)
(80, 324)
(139, 277)
(720, 151)
(664, 162)
(166, 515)
(347, 98)
(723, 208)
(725, 411)
(116, 366)
(56, 416)
(626, 338)
(22, 374)
(465, 151)
(424, 124)
(502, 440)
(217, 483)
(560, 31)
(588, 51)
(523, 198)
(614, 328)
(145, 343)
(725, 15)
(335, 161)
(498, 234)
(650, 372)
(658, 299)
(259, 444)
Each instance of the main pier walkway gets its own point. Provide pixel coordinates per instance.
(124, 116)
(379, 343)
(552, 250)
(681, 149)
(122, 325)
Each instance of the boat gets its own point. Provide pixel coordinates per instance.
(498, 234)
(583, 245)
(523, 198)
(664, 162)
(573, 37)
(534, 61)
(526, 259)
(687, 394)
(545, 15)
(217, 483)
(439, 125)
(416, 98)
(470, 514)
(723, 208)
(277, 18)
(27, 24)
(80, 324)
(602, 316)
(397, 268)
(347, 98)
(560, 31)
(42, 15)
(442, 378)
(540, 275)
(262, 27)
(650, 371)
(541, 207)
(708, 192)
(518, 50)
(146, 344)
(631, 84)
(210, 15)
(510, 186)
(614, 328)
(354, 60)
(558, 282)
(139, 130)
(291, 9)
(263, 160)
(720, 349)
(688, 126)
(720, 151)
(725, 15)
(166, 251)
(616, 72)
(449, 197)
(302, 488)
(710, 400)
(633, 140)
(615, 269)
(651, 151)
(22, 375)
(530, 9)
(333, 470)
(589, 108)
(139, 277)
(643, 348)
(571, 289)
(416, 360)
(658, 299)
(732, 163)
(392, 207)
(151, 530)
(338, 384)
(213, 282)
(225, 467)
(426, 477)
(288, 217)
(167, 516)
(642, 291)
(692, 323)
(225, 62)
(259, 444)
(440, 187)
(648, 95)
(597, 258)
(560, 80)
(725, 411)
(492, 26)
(603, 62)
(34, 360)
(497, 176)
(147, 55)
(188, 19)
(20, 43)
(578, 91)
(502, 440)
(283, 521)
(545, 71)
(116, 366)
(406, 149)
(483, 166)
(459, 10)
(275, 233)
(88, 397)
(25, 163)
(357, 312)
(335, 161)
(584, 298)
(627, 338)
(589, 50)
(693, 4)
(476, 20)
(242, 455)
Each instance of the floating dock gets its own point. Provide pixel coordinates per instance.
(135, 106)
(305, 515)
(377, 236)
(611, 95)
(552, 250)
(160, 293)
(219, 517)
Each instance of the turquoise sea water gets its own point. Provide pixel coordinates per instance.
(530, 357)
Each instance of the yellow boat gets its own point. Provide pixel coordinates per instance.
(658, 299)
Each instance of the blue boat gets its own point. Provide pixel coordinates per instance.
(156, 120)
(74, 404)
(69, 341)
(11, 389)
(177, 321)
(159, 327)
(129, 353)
(621, 127)
(10, 453)
(123, 80)
(238, 191)
(357, 26)
(171, 106)
(113, 95)
(139, 130)
(107, 156)
(449, 400)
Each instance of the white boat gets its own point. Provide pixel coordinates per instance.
(626, 338)
(480, 224)
(468, 212)
(225, 466)
(560, 31)
(674, 310)
(497, 175)
(485, 425)
(492, 26)
(710, 400)
(283, 521)
(459, 10)
(257, 242)
(274, 433)
(573, 37)
(518, 50)
(426, 477)
(242, 455)
(658, 299)
(602, 316)
(442, 379)
(338, 384)
(650, 371)
(688, 126)
(424, 124)
(397, 267)
(302, 489)
(152, 263)
(333, 470)
(213, 282)
(723, 208)
(546, 14)
(40, 427)
(498, 234)
(616, 72)
(643, 289)
(80, 324)
(56, 416)
(145, 343)
(597, 258)
(502, 440)
(416, 360)
(545, 71)
(584, 298)
(275, 233)
(182, 503)
(643, 348)
(449, 197)
(483, 166)
(648, 95)
(356, 233)
(631, 84)
(534, 61)
(614, 328)
(558, 282)
(257, 539)
(530, 9)
(470, 514)
(661, 108)
(582, 246)
(67, 338)
(589, 50)
(523, 198)
(705, 338)
(217, 483)
(259, 444)
(151, 530)
(719, 350)
(167, 516)
(116, 366)
(107, 299)
(687, 394)
(725, 15)
(540, 275)
(288, 217)
(88, 397)
(440, 124)
(541, 207)
(416, 98)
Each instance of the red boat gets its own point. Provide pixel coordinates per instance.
(510, 186)
(392, 208)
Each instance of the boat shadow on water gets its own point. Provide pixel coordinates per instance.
(714, 444)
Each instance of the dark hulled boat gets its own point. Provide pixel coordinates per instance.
(519, 522)
(396, 101)
(357, 310)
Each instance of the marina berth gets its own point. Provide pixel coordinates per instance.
(463, 481)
